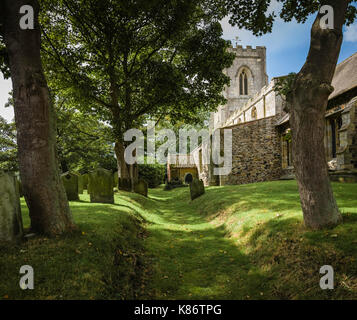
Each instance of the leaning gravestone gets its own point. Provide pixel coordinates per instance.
(11, 229)
(197, 189)
(70, 182)
(101, 186)
(141, 187)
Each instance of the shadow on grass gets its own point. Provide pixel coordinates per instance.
(273, 259)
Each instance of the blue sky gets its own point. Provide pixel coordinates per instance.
(287, 48)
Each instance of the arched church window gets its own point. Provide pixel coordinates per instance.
(254, 113)
(243, 83)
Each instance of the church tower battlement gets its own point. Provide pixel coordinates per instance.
(248, 76)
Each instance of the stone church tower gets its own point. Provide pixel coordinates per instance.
(248, 76)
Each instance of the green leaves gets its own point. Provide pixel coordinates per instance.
(130, 60)
(258, 16)
(8, 146)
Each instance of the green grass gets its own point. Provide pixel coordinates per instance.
(83, 265)
(234, 242)
(247, 242)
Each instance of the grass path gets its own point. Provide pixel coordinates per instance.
(192, 258)
(234, 242)
(247, 242)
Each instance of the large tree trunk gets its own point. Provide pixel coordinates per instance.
(308, 102)
(36, 127)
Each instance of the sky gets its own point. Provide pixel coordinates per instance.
(287, 48)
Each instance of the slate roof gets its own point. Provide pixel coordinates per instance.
(345, 77)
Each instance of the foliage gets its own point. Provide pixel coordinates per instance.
(8, 146)
(258, 17)
(131, 59)
(83, 141)
(173, 184)
(153, 174)
(284, 85)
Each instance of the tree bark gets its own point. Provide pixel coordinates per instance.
(308, 101)
(36, 126)
(123, 168)
(125, 171)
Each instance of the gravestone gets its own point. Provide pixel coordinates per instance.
(80, 184)
(85, 181)
(116, 179)
(125, 184)
(141, 187)
(101, 186)
(19, 185)
(11, 229)
(70, 182)
(197, 189)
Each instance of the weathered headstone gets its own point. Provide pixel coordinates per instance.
(85, 181)
(80, 184)
(124, 184)
(11, 229)
(19, 185)
(197, 189)
(70, 182)
(101, 186)
(141, 187)
(116, 179)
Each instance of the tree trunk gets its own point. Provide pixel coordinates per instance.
(35, 124)
(125, 171)
(308, 101)
(123, 168)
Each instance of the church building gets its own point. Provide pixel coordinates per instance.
(261, 140)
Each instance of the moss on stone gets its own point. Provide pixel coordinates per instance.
(80, 184)
(197, 189)
(101, 186)
(116, 179)
(11, 228)
(85, 181)
(70, 182)
(141, 187)
(124, 184)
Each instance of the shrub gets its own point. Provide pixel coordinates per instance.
(153, 174)
(174, 184)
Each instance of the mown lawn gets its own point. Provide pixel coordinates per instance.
(234, 242)
(248, 242)
(83, 265)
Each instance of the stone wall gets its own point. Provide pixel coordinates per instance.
(256, 152)
(266, 103)
(347, 153)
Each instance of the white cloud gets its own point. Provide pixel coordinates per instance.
(351, 33)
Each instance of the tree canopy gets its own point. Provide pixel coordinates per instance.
(259, 16)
